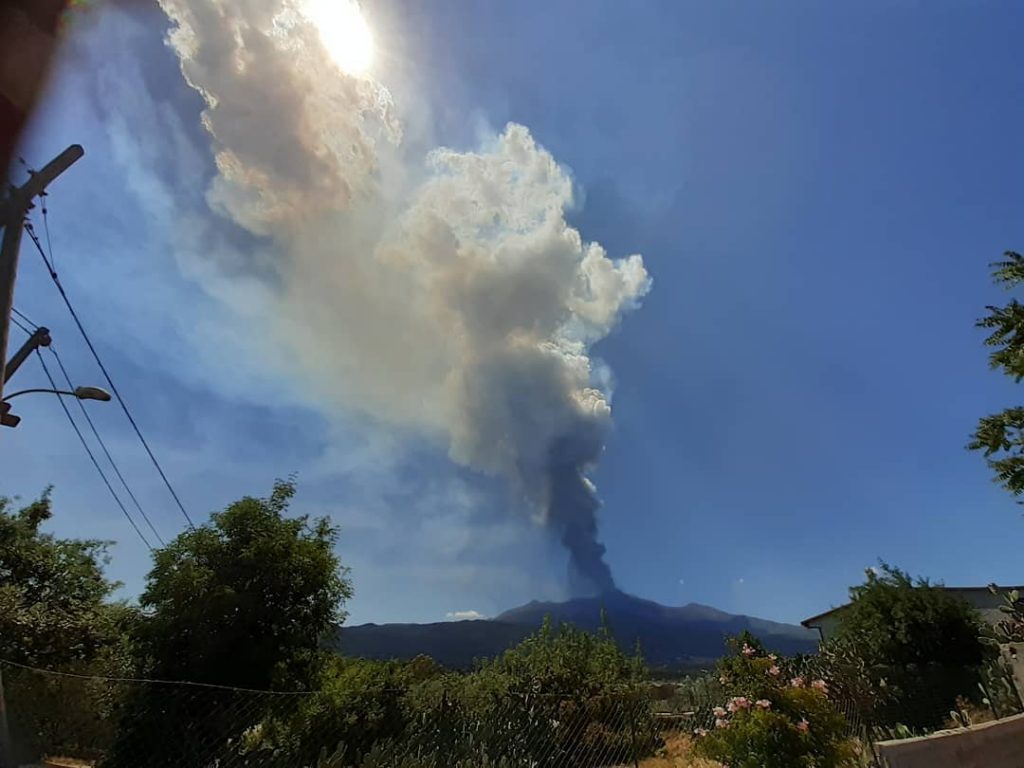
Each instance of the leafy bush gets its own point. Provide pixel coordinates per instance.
(561, 694)
(772, 720)
(921, 641)
(356, 703)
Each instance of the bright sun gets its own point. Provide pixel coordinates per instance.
(344, 32)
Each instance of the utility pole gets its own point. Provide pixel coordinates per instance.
(6, 758)
(39, 338)
(12, 218)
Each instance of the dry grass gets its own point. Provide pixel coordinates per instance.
(678, 753)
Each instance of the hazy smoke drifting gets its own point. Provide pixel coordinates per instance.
(449, 296)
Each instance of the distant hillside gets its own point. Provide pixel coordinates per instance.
(689, 635)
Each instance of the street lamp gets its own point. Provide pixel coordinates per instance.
(82, 393)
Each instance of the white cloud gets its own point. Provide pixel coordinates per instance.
(464, 616)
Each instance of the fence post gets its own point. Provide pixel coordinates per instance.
(6, 760)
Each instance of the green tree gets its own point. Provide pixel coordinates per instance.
(921, 640)
(566, 661)
(54, 608)
(246, 599)
(355, 702)
(561, 694)
(56, 614)
(243, 601)
(1001, 435)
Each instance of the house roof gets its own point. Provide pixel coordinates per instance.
(809, 623)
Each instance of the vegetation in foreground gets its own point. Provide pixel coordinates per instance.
(774, 716)
(246, 600)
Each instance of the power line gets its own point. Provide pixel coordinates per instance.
(113, 387)
(24, 319)
(147, 680)
(46, 227)
(89, 421)
(88, 450)
(21, 325)
(113, 464)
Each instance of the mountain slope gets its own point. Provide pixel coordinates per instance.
(669, 636)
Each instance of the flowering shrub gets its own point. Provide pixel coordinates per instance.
(772, 720)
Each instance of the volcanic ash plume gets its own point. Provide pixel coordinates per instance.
(449, 296)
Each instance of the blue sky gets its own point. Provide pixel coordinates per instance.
(816, 190)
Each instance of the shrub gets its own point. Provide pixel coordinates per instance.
(356, 703)
(923, 641)
(772, 720)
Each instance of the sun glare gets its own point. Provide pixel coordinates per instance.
(344, 32)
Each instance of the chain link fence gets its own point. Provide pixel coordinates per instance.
(71, 719)
(82, 720)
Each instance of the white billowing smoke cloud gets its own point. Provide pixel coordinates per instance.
(453, 299)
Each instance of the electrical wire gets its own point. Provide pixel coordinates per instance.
(89, 421)
(24, 319)
(113, 464)
(113, 387)
(92, 456)
(46, 227)
(148, 680)
(21, 325)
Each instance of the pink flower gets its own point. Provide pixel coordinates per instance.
(721, 723)
(803, 726)
(772, 657)
(774, 670)
(700, 731)
(820, 685)
(748, 651)
(763, 703)
(738, 703)
(723, 679)
(797, 682)
(719, 711)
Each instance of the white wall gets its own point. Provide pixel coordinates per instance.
(999, 744)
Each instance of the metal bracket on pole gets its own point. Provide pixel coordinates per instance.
(15, 208)
(39, 338)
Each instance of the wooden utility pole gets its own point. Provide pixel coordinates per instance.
(12, 216)
(6, 756)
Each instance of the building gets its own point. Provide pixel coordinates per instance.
(981, 598)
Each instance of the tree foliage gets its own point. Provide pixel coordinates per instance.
(54, 608)
(562, 693)
(1000, 436)
(243, 601)
(246, 599)
(921, 640)
(56, 613)
(566, 660)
